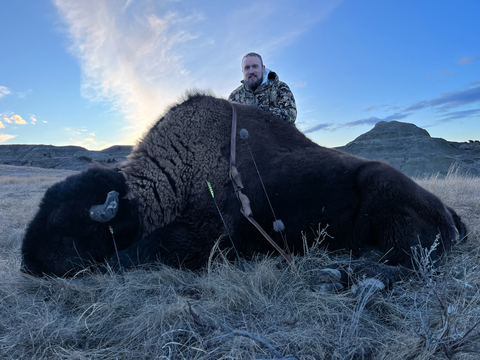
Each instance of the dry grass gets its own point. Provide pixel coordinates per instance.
(265, 312)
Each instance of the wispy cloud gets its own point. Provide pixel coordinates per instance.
(367, 121)
(468, 60)
(129, 58)
(449, 100)
(5, 137)
(7, 120)
(300, 84)
(382, 107)
(373, 120)
(393, 107)
(1, 125)
(460, 115)
(457, 98)
(418, 106)
(442, 74)
(139, 57)
(4, 91)
(317, 128)
(280, 21)
(23, 94)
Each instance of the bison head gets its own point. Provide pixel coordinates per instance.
(72, 228)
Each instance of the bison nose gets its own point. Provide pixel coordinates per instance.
(28, 267)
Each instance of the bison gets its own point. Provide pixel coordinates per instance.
(159, 207)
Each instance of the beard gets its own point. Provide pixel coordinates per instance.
(254, 82)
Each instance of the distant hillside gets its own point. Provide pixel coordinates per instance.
(60, 157)
(403, 145)
(413, 151)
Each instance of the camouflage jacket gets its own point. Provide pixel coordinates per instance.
(274, 96)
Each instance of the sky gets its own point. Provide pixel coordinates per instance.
(97, 73)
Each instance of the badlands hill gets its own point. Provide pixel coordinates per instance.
(413, 151)
(60, 157)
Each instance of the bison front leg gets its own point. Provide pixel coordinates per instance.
(359, 275)
(141, 252)
(176, 244)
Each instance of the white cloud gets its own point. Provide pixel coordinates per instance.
(7, 120)
(23, 95)
(443, 74)
(18, 120)
(468, 60)
(4, 91)
(5, 137)
(128, 57)
(2, 126)
(300, 84)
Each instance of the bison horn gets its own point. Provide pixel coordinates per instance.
(107, 211)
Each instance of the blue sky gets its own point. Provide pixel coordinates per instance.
(96, 73)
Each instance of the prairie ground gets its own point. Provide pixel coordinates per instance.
(265, 312)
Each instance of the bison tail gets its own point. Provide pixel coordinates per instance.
(461, 228)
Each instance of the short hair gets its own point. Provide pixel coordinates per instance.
(253, 54)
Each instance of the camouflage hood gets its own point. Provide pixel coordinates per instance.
(265, 76)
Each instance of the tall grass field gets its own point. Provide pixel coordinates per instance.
(221, 312)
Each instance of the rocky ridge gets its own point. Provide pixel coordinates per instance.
(413, 151)
(60, 157)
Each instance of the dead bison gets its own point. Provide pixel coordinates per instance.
(164, 210)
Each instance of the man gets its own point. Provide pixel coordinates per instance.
(262, 87)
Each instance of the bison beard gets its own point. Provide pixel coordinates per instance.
(164, 210)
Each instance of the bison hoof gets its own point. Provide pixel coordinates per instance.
(327, 280)
(369, 286)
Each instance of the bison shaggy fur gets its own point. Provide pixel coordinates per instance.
(166, 212)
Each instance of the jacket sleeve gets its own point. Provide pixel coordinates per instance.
(286, 108)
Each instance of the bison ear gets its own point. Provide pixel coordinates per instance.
(106, 212)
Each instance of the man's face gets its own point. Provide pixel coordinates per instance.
(252, 70)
